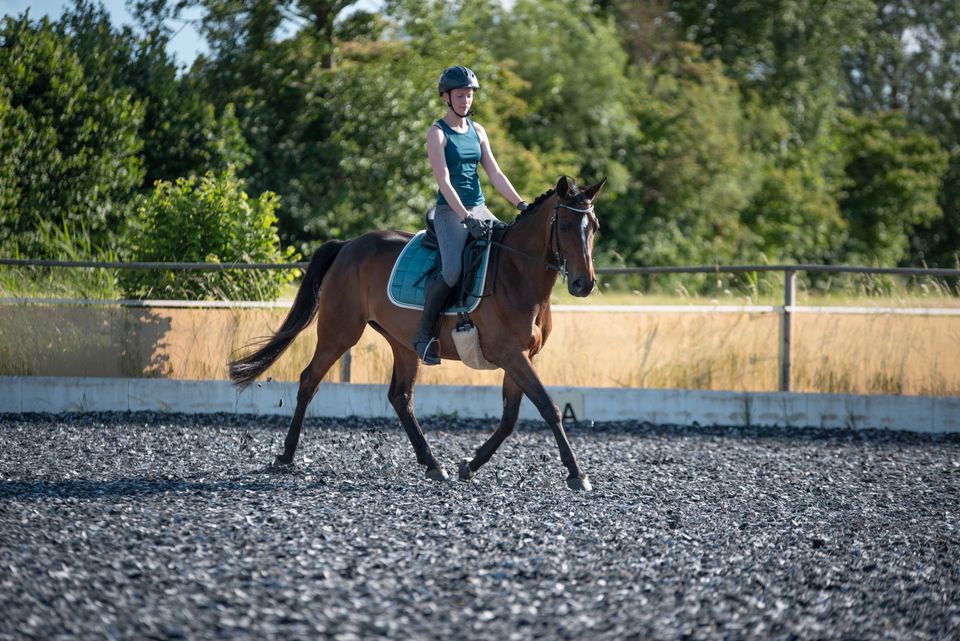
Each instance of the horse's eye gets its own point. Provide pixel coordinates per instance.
(564, 226)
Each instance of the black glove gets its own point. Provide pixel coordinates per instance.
(478, 228)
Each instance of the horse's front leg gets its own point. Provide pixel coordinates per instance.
(521, 370)
(512, 395)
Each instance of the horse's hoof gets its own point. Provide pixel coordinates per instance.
(437, 474)
(579, 483)
(282, 461)
(465, 473)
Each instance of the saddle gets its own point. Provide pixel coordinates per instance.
(419, 264)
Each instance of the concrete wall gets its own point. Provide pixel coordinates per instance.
(661, 406)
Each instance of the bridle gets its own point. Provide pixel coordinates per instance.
(560, 263)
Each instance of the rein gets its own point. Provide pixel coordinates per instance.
(548, 266)
(560, 264)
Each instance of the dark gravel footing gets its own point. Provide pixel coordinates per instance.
(150, 526)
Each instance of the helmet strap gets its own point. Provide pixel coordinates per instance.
(450, 104)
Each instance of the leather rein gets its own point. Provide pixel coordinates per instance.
(560, 264)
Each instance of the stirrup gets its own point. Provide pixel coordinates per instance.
(428, 357)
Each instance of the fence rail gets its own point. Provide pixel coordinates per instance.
(786, 311)
(934, 272)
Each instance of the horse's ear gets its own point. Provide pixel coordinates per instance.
(594, 191)
(565, 186)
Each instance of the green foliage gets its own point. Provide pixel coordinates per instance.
(793, 212)
(689, 169)
(910, 63)
(893, 176)
(371, 169)
(789, 51)
(181, 131)
(938, 243)
(794, 218)
(88, 114)
(209, 219)
(576, 89)
(361, 25)
(68, 141)
(729, 131)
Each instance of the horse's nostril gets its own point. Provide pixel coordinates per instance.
(580, 286)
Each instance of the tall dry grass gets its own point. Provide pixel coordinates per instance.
(704, 350)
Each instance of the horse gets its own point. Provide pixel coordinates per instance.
(345, 289)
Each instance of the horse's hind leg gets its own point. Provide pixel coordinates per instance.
(405, 368)
(512, 395)
(326, 354)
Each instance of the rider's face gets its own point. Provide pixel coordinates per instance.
(461, 99)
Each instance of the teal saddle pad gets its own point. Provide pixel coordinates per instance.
(411, 274)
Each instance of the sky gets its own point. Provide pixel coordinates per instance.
(185, 45)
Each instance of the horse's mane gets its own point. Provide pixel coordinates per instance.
(574, 189)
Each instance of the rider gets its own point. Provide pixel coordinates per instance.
(455, 145)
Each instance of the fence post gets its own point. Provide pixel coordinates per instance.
(345, 366)
(789, 298)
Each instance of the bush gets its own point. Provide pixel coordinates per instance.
(209, 219)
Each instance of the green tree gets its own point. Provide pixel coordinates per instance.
(249, 26)
(355, 155)
(937, 243)
(788, 51)
(346, 146)
(690, 172)
(794, 210)
(271, 82)
(894, 174)
(647, 28)
(576, 89)
(181, 130)
(69, 142)
(909, 63)
(360, 26)
(371, 171)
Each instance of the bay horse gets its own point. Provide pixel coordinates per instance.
(345, 289)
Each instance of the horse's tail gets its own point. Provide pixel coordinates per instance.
(243, 371)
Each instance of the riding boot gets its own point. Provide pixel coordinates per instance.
(425, 344)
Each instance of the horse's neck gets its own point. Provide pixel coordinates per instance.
(529, 236)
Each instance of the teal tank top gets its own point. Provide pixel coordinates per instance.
(462, 152)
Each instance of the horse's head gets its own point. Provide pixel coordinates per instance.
(573, 229)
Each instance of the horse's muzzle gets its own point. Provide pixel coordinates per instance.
(581, 286)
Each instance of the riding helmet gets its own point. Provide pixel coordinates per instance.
(458, 77)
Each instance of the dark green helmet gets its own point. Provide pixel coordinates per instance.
(458, 77)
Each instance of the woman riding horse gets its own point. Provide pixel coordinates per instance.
(455, 145)
(345, 290)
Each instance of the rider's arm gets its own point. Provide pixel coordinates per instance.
(438, 162)
(498, 179)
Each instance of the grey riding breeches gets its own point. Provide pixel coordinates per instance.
(452, 237)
